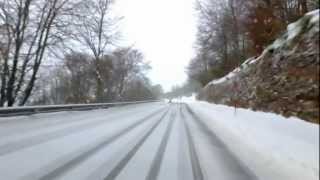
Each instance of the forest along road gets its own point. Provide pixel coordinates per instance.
(152, 141)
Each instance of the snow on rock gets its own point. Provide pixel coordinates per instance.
(296, 28)
(293, 30)
(283, 79)
(234, 72)
(272, 146)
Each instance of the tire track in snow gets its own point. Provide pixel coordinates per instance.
(117, 169)
(230, 159)
(67, 162)
(40, 121)
(157, 161)
(195, 163)
(23, 143)
(185, 168)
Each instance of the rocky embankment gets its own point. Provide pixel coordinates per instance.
(283, 79)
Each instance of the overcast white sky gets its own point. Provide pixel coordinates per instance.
(164, 30)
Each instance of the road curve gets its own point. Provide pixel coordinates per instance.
(153, 141)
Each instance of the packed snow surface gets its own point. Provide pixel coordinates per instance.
(184, 140)
(272, 146)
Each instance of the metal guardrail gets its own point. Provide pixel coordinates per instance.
(28, 110)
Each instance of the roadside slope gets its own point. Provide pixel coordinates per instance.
(284, 79)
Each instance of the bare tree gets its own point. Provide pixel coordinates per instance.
(96, 30)
(79, 79)
(128, 63)
(218, 40)
(27, 27)
(122, 71)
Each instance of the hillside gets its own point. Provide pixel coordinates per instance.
(284, 79)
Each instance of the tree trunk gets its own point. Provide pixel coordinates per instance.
(99, 90)
(236, 27)
(303, 7)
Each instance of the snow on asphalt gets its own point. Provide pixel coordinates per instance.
(185, 140)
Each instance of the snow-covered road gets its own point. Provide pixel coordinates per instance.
(158, 141)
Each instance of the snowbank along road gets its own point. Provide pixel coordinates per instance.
(158, 141)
